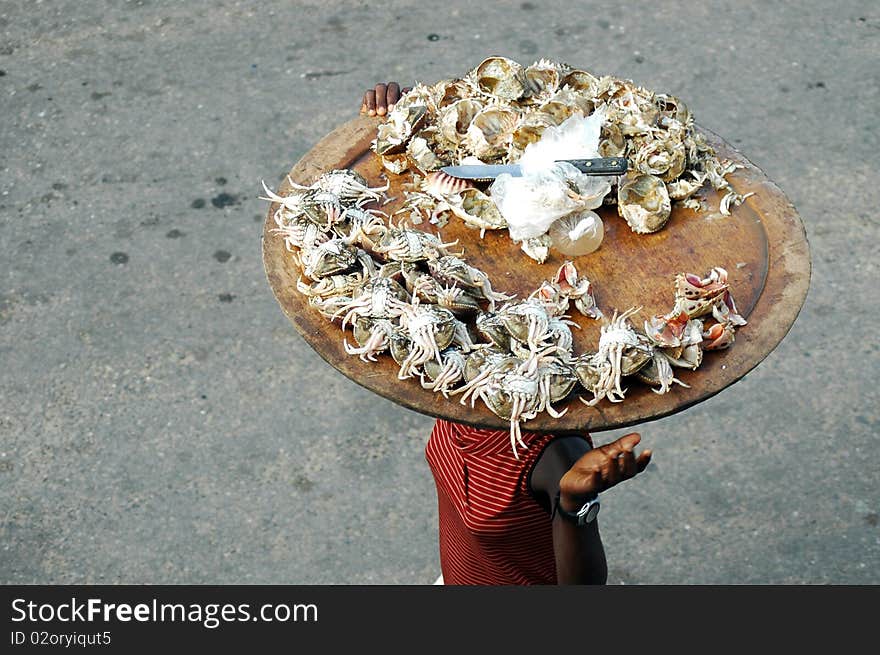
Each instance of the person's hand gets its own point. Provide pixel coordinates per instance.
(381, 99)
(600, 469)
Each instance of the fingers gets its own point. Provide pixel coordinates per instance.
(603, 467)
(643, 460)
(381, 99)
(626, 442)
(392, 94)
(370, 102)
(627, 464)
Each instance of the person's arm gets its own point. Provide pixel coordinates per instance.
(569, 467)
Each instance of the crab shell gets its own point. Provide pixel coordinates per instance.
(399, 346)
(541, 80)
(395, 163)
(500, 77)
(421, 155)
(672, 107)
(690, 356)
(663, 158)
(587, 371)
(393, 135)
(490, 326)
(562, 379)
(564, 103)
(328, 258)
(447, 92)
(455, 119)
(612, 143)
(643, 201)
(479, 211)
(580, 80)
(529, 130)
(490, 132)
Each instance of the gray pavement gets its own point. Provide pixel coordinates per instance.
(161, 421)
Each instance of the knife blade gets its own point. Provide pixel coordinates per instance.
(485, 173)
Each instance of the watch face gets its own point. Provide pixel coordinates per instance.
(591, 513)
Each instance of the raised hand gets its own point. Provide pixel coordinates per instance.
(600, 469)
(381, 99)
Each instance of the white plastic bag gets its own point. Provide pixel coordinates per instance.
(546, 190)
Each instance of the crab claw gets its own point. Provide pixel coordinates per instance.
(690, 286)
(718, 337)
(667, 331)
(724, 311)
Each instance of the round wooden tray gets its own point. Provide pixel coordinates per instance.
(762, 245)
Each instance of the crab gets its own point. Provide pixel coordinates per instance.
(348, 185)
(380, 297)
(446, 373)
(456, 300)
(301, 233)
(409, 245)
(621, 352)
(430, 328)
(372, 335)
(512, 389)
(331, 286)
(453, 270)
(659, 372)
(527, 321)
(328, 258)
(577, 287)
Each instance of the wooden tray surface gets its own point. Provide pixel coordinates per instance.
(762, 245)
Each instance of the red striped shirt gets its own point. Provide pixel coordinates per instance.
(493, 531)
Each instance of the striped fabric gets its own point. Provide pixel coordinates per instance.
(492, 530)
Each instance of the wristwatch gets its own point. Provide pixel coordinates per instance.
(586, 514)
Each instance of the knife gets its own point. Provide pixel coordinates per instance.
(485, 173)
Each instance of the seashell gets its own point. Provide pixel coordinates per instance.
(500, 77)
(529, 129)
(420, 94)
(611, 142)
(672, 107)
(447, 92)
(401, 123)
(538, 248)
(455, 119)
(579, 80)
(643, 201)
(490, 132)
(421, 155)
(479, 211)
(665, 159)
(396, 164)
(439, 184)
(541, 79)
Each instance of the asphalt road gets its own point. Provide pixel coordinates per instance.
(161, 421)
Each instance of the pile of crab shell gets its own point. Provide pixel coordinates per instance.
(402, 291)
(497, 109)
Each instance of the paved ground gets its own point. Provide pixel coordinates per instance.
(160, 420)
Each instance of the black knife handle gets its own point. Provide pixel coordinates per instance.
(601, 165)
